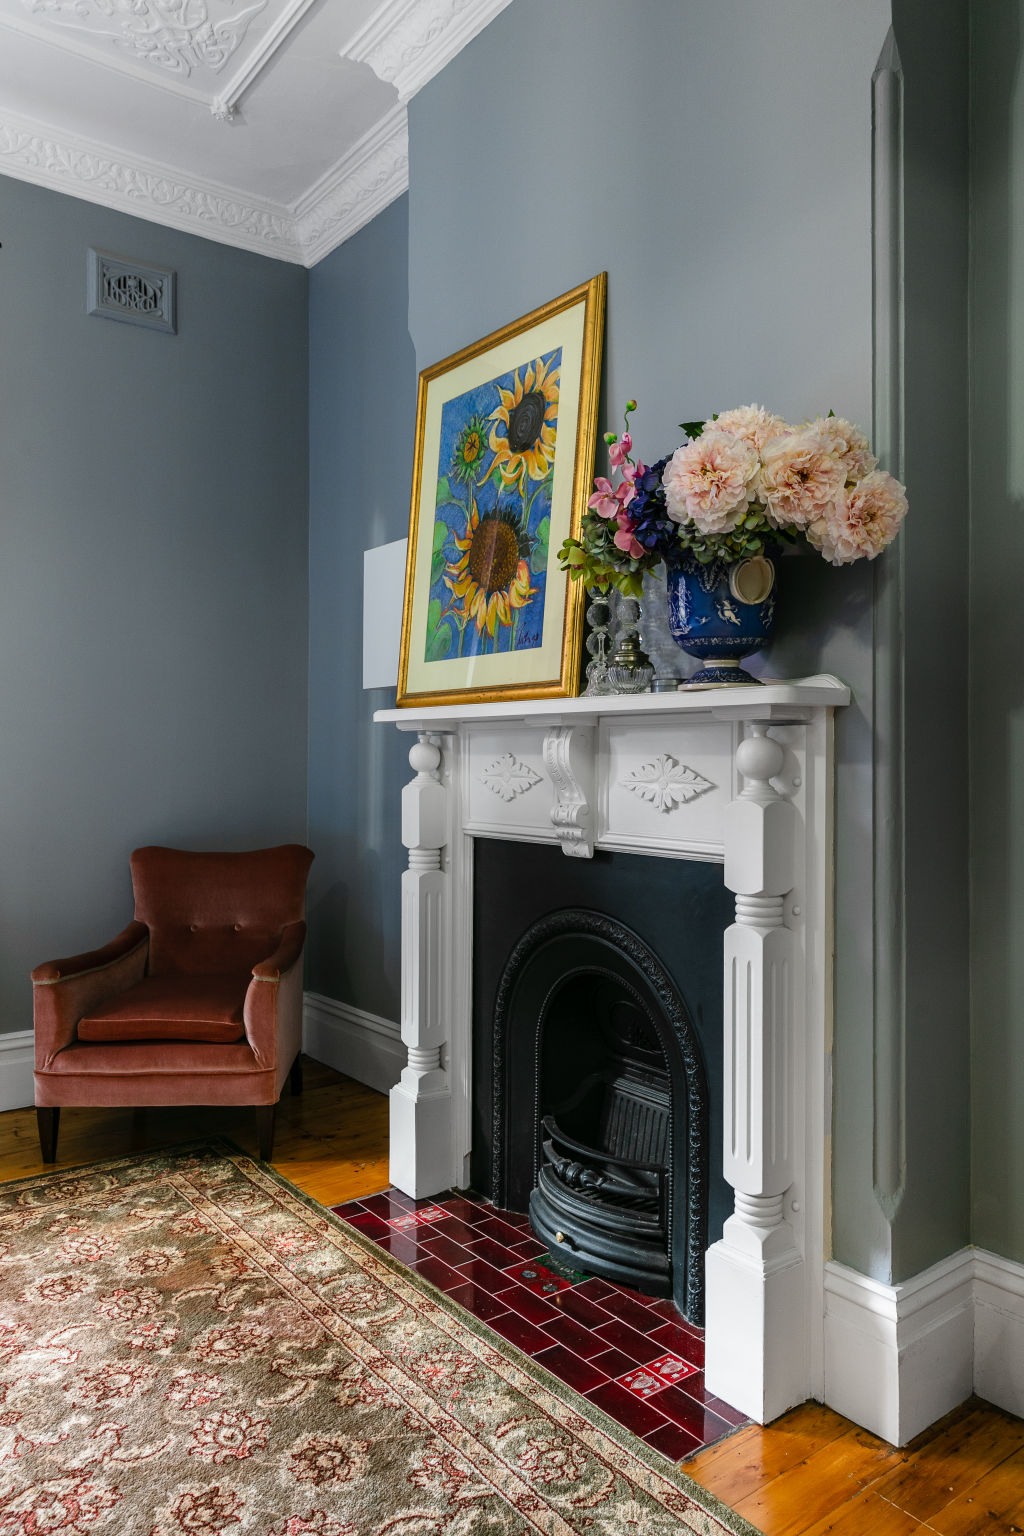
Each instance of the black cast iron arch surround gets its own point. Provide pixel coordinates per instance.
(673, 1026)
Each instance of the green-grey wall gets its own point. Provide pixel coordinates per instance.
(997, 623)
(362, 419)
(153, 602)
(933, 1216)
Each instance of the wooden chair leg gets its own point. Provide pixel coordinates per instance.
(48, 1121)
(265, 1130)
(295, 1076)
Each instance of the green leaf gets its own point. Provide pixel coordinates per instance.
(439, 635)
(438, 558)
(539, 554)
(692, 428)
(444, 491)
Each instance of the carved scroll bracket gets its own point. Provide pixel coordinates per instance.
(569, 760)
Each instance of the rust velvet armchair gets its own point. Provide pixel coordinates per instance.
(197, 1001)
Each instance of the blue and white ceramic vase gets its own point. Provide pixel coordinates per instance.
(721, 613)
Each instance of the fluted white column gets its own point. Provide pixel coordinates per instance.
(421, 1100)
(756, 1335)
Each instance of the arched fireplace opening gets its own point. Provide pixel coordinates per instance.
(600, 1106)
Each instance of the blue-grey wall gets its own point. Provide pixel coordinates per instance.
(153, 587)
(716, 161)
(997, 624)
(362, 419)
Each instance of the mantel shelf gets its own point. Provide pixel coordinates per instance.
(781, 702)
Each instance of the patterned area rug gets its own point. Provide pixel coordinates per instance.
(191, 1347)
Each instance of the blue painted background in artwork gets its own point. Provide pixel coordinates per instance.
(469, 476)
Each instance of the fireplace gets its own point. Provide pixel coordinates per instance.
(738, 779)
(593, 1057)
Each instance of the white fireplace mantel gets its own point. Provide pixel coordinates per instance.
(739, 776)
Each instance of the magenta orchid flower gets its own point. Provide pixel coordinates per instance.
(605, 500)
(619, 452)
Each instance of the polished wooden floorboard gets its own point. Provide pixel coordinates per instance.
(331, 1139)
(811, 1473)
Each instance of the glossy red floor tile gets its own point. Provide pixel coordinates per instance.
(634, 1356)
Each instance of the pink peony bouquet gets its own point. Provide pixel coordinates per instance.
(744, 482)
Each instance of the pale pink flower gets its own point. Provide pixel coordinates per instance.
(800, 478)
(862, 521)
(710, 482)
(752, 424)
(849, 445)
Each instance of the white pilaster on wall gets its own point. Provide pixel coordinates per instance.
(756, 1355)
(421, 1102)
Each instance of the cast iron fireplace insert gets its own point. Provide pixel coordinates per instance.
(600, 1106)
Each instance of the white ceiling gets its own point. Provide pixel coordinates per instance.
(276, 125)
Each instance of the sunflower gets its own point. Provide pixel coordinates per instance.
(528, 412)
(491, 577)
(470, 447)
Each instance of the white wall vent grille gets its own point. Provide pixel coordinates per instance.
(124, 290)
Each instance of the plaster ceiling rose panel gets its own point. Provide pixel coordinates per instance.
(208, 50)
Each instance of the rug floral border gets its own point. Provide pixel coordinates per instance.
(628, 1445)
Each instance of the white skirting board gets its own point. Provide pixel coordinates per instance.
(360, 1044)
(999, 1331)
(17, 1058)
(898, 1357)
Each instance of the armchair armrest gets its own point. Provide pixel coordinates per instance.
(273, 1001)
(64, 990)
(293, 937)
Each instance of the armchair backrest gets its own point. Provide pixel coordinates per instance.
(217, 913)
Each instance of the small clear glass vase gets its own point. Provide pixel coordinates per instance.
(599, 620)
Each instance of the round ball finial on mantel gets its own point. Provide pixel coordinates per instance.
(758, 757)
(425, 757)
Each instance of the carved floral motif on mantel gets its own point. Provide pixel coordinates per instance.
(507, 777)
(666, 783)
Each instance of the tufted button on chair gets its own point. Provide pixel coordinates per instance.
(197, 1001)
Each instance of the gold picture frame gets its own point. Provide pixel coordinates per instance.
(506, 433)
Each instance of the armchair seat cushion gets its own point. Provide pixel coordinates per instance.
(203, 1008)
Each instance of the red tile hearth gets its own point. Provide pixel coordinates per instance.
(632, 1355)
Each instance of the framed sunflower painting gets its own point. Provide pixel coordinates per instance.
(505, 439)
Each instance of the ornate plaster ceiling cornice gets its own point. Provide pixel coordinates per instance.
(101, 174)
(361, 185)
(407, 42)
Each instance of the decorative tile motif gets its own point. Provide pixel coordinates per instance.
(671, 1369)
(536, 1278)
(507, 777)
(634, 1356)
(666, 783)
(422, 1218)
(642, 1383)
